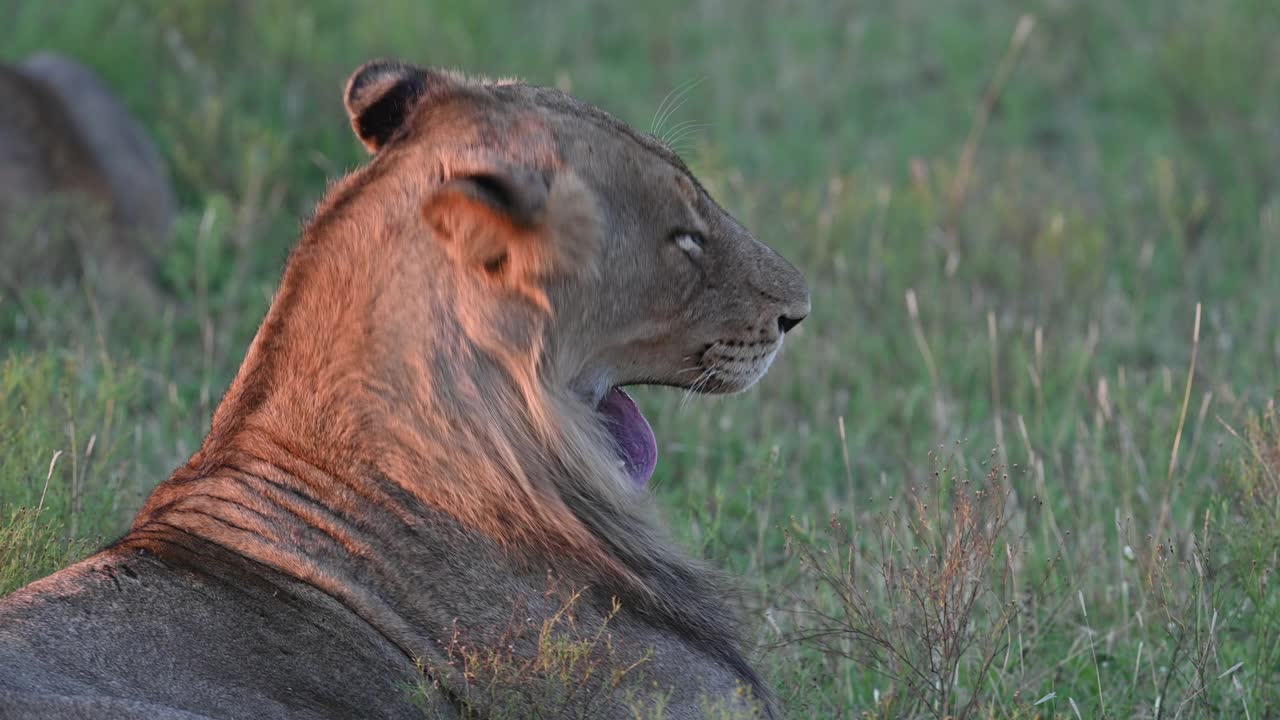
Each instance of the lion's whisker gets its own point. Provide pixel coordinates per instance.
(704, 377)
(681, 129)
(653, 126)
(668, 102)
(676, 102)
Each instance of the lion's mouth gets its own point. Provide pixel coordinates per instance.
(632, 436)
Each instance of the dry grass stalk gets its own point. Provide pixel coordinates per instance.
(929, 604)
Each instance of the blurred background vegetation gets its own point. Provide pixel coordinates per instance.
(1009, 213)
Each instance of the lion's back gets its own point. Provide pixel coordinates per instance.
(123, 635)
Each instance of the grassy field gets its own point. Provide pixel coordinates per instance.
(1023, 460)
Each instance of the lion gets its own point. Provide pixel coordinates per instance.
(428, 441)
(82, 186)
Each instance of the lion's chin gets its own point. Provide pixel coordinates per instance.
(632, 435)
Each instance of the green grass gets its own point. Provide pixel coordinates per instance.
(1127, 170)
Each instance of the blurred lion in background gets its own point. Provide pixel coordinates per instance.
(83, 189)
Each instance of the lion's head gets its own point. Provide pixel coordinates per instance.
(560, 217)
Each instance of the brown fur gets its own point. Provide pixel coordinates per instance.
(413, 432)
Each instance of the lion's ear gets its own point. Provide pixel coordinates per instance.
(485, 218)
(379, 96)
(517, 195)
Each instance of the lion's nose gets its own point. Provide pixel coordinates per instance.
(786, 322)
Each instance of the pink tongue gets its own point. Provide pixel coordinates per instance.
(631, 433)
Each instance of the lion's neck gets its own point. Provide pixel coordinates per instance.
(373, 424)
(366, 368)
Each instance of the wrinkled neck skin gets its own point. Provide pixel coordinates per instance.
(350, 414)
(358, 368)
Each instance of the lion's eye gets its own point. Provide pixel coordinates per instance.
(690, 242)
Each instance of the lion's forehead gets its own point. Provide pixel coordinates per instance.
(572, 116)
